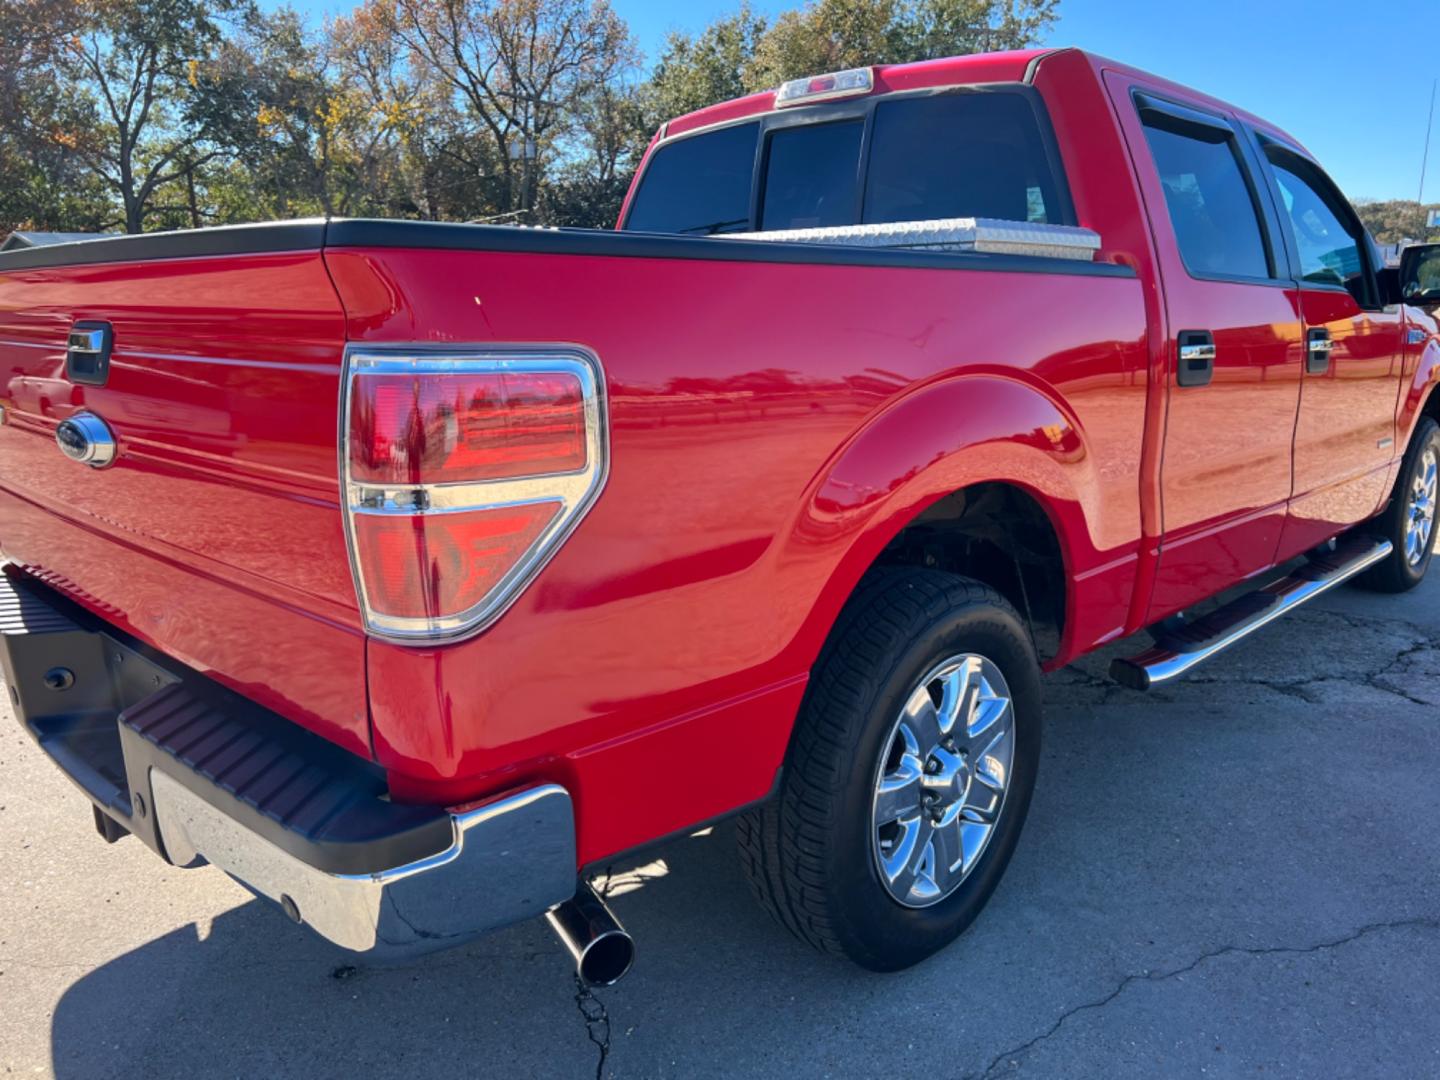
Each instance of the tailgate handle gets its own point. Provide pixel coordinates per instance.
(87, 353)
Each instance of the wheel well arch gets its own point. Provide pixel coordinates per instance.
(998, 533)
(1431, 406)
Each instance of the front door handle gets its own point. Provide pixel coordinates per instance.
(1196, 365)
(1318, 348)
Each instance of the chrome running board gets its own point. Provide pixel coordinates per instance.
(1178, 650)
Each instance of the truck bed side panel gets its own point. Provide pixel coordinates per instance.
(655, 665)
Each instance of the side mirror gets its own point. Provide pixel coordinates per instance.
(1420, 274)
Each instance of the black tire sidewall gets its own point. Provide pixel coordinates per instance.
(1428, 435)
(886, 935)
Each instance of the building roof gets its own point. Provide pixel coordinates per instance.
(27, 239)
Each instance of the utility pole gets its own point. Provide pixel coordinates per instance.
(527, 151)
(1425, 160)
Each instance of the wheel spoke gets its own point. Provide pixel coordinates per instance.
(972, 840)
(911, 860)
(989, 756)
(990, 710)
(923, 720)
(982, 801)
(898, 793)
(949, 851)
(959, 690)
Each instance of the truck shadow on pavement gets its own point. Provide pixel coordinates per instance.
(1221, 877)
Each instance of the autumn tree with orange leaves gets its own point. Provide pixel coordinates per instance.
(152, 114)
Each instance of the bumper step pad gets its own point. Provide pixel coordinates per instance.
(306, 796)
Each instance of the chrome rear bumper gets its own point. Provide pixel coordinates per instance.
(507, 861)
(197, 772)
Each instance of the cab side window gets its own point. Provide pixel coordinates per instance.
(1211, 204)
(1326, 236)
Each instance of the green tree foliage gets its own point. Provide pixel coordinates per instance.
(43, 184)
(145, 114)
(693, 72)
(146, 100)
(827, 35)
(1393, 220)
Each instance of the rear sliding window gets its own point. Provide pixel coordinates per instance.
(949, 154)
(811, 176)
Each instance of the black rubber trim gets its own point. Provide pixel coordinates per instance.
(186, 244)
(361, 233)
(1032, 69)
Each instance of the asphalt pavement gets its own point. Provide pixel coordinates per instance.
(1239, 875)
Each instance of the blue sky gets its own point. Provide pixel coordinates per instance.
(1351, 81)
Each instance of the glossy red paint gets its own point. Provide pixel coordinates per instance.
(772, 426)
(1420, 378)
(1345, 436)
(1225, 471)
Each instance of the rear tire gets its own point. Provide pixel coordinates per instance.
(1409, 521)
(840, 857)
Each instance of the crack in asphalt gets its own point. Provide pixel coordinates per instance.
(1012, 1056)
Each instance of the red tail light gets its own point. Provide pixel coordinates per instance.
(434, 427)
(463, 473)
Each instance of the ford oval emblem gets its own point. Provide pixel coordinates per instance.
(87, 439)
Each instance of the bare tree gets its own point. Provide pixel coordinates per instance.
(517, 67)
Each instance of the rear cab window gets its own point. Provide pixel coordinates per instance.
(812, 176)
(956, 152)
(959, 155)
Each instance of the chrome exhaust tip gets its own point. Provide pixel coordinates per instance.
(603, 951)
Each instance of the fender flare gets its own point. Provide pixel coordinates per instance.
(936, 439)
(1418, 394)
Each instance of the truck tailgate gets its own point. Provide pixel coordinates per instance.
(216, 534)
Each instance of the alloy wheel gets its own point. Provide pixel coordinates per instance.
(941, 782)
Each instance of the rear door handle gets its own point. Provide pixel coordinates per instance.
(1196, 365)
(1318, 348)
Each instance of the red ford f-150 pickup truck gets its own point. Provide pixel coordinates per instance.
(408, 571)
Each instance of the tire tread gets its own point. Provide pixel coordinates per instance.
(782, 843)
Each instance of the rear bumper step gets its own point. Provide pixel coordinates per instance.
(1177, 651)
(199, 773)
